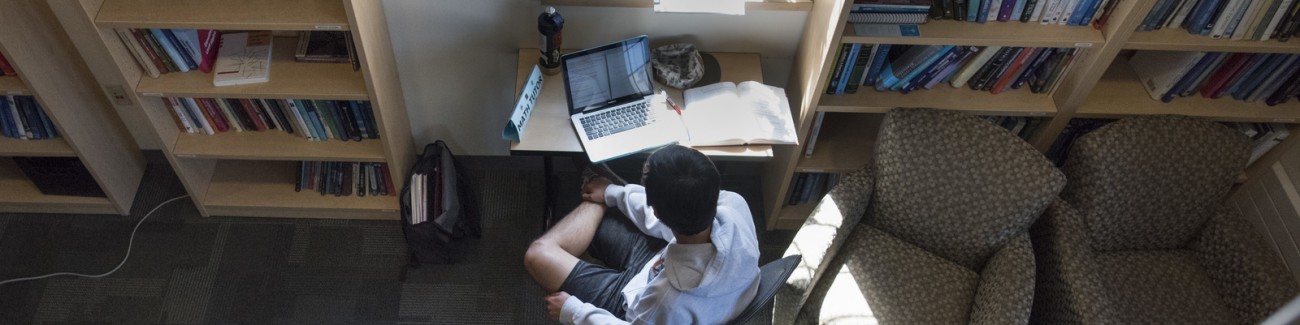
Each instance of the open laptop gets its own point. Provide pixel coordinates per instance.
(610, 96)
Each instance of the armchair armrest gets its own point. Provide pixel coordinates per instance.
(1067, 290)
(820, 238)
(1006, 288)
(1248, 275)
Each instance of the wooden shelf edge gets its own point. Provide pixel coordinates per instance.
(289, 79)
(274, 145)
(57, 147)
(793, 216)
(1019, 102)
(105, 208)
(1119, 93)
(1180, 40)
(228, 14)
(798, 5)
(844, 144)
(949, 32)
(12, 85)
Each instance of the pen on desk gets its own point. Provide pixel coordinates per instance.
(671, 103)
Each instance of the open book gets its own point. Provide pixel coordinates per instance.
(726, 114)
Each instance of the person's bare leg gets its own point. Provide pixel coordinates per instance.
(549, 259)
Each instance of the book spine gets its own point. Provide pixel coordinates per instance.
(1259, 23)
(919, 68)
(1005, 9)
(151, 42)
(1017, 11)
(303, 119)
(973, 9)
(983, 15)
(1034, 65)
(858, 70)
(231, 118)
(1013, 70)
(1221, 76)
(1274, 80)
(933, 70)
(842, 56)
(214, 120)
(951, 70)
(193, 108)
(1200, 16)
(846, 72)
(174, 49)
(1277, 17)
(1248, 68)
(182, 118)
(812, 135)
(132, 46)
(1252, 79)
(997, 67)
(1046, 82)
(878, 60)
(209, 42)
(1188, 76)
(1028, 14)
(973, 65)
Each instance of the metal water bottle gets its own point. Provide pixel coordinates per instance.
(550, 24)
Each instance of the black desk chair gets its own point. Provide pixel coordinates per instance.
(772, 275)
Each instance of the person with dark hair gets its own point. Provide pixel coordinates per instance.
(686, 252)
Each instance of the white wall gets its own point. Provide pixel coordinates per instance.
(457, 59)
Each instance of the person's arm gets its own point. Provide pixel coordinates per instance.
(630, 199)
(574, 311)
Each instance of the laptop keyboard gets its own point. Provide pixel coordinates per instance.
(615, 120)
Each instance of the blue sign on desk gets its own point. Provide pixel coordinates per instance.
(524, 107)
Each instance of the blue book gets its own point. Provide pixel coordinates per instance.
(877, 62)
(848, 68)
(932, 70)
(6, 127)
(50, 131)
(1189, 77)
(1033, 67)
(370, 118)
(861, 8)
(1019, 10)
(1079, 9)
(1149, 22)
(1251, 80)
(172, 52)
(973, 9)
(312, 119)
(929, 60)
(1275, 81)
(180, 48)
(1092, 11)
(983, 14)
(1201, 15)
(1253, 62)
(359, 118)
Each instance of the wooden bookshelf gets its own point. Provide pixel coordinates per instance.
(289, 79)
(274, 145)
(1120, 94)
(1180, 40)
(266, 189)
(19, 194)
(1011, 102)
(57, 147)
(844, 143)
(227, 14)
(948, 32)
(250, 174)
(792, 216)
(12, 85)
(795, 5)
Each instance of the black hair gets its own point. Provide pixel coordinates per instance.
(682, 186)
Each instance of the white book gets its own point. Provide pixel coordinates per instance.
(18, 118)
(186, 121)
(305, 129)
(1053, 12)
(1277, 17)
(189, 39)
(973, 66)
(1244, 25)
(1236, 18)
(1276, 133)
(994, 8)
(812, 135)
(726, 113)
(244, 58)
(198, 115)
(1038, 10)
(1260, 19)
(1067, 12)
(138, 52)
(1160, 70)
(1183, 10)
(1224, 18)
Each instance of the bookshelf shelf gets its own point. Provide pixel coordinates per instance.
(266, 189)
(844, 143)
(12, 85)
(289, 80)
(792, 216)
(1180, 40)
(57, 147)
(1014, 102)
(948, 32)
(228, 14)
(274, 145)
(1119, 93)
(19, 194)
(796, 5)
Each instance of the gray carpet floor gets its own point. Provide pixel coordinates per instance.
(185, 269)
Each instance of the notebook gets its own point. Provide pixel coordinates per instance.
(609, 91)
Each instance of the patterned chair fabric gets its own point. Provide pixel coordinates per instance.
(1139, 235)
(945, 209)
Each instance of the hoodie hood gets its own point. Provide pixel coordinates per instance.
(700, 269)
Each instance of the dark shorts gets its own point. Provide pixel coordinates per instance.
(624, 250)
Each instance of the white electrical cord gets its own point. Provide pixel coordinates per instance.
(129, 243)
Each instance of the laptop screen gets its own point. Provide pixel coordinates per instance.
(606, 74)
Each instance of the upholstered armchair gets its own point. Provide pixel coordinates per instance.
(1141, 236)
(934, 231)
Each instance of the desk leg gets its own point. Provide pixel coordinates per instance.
(548, 209)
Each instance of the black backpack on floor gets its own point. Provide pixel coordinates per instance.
(439, 238)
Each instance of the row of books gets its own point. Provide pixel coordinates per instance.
(809, 187)
(1023, 127)
(1236, 19)
(1263, 137)
(5, 68)
(21, 117)
(343, 178)
(905, 68)
(1046, 12)
(311, 119)
(1271, 77)
(161, 51)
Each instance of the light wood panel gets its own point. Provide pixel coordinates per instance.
(19, 194)
(379, 68)
(1180, 40)
(950, 32)
(1119, 93)
(795, 5)
(792, 216)
(844, 144)
(1011, 102)
(12, 85)
(289, 79)
(225, 14)
(56, 147)
(275, 145)
(266, 189)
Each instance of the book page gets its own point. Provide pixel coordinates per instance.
(771, 111)
(714, 116)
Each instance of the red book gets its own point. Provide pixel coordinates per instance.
(387, 180)
(311, 175)
(209, 42)
(214, 110)
(149, 51)
(346, 187)
(6, 68)
(253, 114)
(1013, 72)
(1224, 74)
(207, 114)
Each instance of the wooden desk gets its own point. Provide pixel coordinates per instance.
(549, 131)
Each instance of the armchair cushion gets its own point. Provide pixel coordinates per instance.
(955, 185)
(1152, 182)
(1006, 286)
(1160, 286)
(819, 240)
(904, 284)
(1250, 279)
